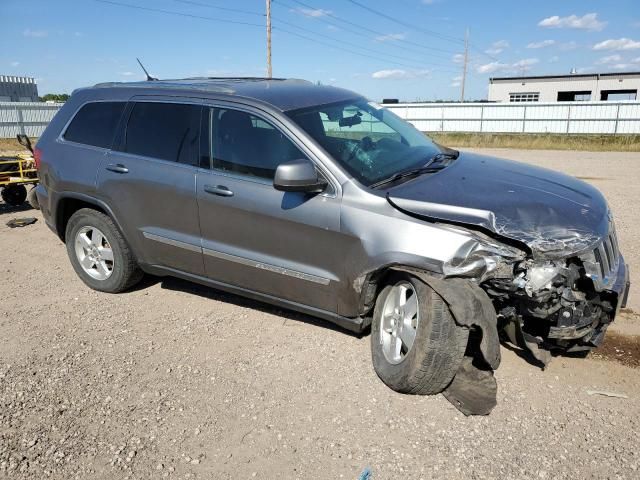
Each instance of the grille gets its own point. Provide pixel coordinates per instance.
(607, 254)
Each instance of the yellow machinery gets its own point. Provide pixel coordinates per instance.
(16, 172)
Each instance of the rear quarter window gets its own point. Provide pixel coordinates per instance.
(95, 124)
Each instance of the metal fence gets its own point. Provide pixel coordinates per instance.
(25, 117)
(561, 117)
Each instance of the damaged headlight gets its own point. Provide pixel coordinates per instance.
(481, 259)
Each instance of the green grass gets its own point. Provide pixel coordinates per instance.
(592, 143)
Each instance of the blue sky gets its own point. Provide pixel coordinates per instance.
(412, 51)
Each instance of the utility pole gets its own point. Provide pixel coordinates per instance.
(269, 72)
(466, 60)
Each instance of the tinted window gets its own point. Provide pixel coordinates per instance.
(95, 124)
(168, 131)
(245, 144)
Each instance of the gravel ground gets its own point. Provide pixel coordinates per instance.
(173, 380)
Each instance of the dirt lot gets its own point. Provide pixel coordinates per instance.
(179, 381)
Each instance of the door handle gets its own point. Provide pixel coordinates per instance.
(218, 190)
(117, 168)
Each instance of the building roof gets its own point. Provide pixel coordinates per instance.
(284, 94)
(564, 77)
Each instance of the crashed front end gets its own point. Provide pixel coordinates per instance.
(550, 299)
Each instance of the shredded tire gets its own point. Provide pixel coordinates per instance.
(437, 351)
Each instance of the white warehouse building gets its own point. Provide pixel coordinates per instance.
(566, 88)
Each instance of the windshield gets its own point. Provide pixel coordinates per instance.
(370, 142)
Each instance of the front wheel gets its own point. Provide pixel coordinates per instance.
(416, 346)
(99, 253)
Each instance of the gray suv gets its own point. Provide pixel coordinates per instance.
(312, 198)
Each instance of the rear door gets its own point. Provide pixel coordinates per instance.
(149, 181)
(282, 244)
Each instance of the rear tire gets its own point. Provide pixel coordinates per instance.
(14, 195)
(438, 345)
(99, 253)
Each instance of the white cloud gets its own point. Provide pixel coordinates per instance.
(78, 34)
(456, 81)
(619, 44)
(554, 59)
(542, 44)
(391, 37)
(457, 58)
(15, 64)
(127, 74)
(568, 46)
(609, 59)
(525, 63)
(587, 22)
(492, 67)
(35, 33)
(520, 66)
(398, 74)
(314, 12)
(497, 47)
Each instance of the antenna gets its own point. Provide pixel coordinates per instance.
(149, 77)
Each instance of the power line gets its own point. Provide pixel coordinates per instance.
(375, 32)
(181, 14)
(419, 29)
(405, 24)
(289, 32)
(340, 48)
(376, 52)
(308, 31)
(234, 10)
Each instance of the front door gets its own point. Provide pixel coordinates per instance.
(256, 237)
(149, 181)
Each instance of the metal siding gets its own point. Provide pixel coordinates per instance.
(526, 117)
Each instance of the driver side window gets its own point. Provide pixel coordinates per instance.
(245, 144)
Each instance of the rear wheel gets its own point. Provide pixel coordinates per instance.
(14, 195)
(416, 345)
(99, 253)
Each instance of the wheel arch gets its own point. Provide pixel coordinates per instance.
(70, 203)
(371, 282)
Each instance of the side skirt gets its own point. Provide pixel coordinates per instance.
(352, 324)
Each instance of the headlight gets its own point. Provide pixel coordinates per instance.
(482, 260)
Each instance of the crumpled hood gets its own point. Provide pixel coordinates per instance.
(555, 215)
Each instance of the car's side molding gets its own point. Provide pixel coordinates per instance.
(238, 259)
(172, 242)
(267, 266)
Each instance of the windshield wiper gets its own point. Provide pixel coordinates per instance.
(414, 172)
(406, 174)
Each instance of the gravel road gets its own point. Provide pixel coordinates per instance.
(173, 380)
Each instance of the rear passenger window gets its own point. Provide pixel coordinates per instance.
(95, 124)
(167, 131)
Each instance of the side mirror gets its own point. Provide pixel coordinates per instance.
(298, 176)
(24, 141)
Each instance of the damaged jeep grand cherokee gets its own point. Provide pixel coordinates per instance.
(312, 198)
